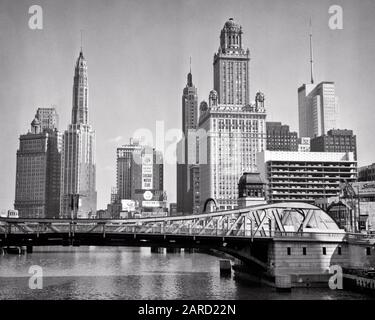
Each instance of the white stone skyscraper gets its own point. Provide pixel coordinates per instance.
(79, 169)
(231, 129)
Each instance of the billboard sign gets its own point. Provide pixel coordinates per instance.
(127, 205)
(147, 168)
(152, 204)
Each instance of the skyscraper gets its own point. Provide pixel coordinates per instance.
(317, 105)
(124, 168)
(79, 171)
(147, 180)
(48, 117)
(187, 169)
(317, 109)
(231, 67)
(231, 129)
(38, 169)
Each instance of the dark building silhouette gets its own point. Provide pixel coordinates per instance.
(280, 138)
(366, 173)
(336, 140)
(188, 195)
(38, 172)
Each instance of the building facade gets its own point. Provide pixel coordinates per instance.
(305, 176)
(280, 138)
(140, 180)
(48, 117)
(188, 193)
(38, 171)
(367, 173)
(317, 109)
(147, 182)
(79, 163)
(336, 140)
(124, 168)
(231, 130)
(251, 190)
(304, 144)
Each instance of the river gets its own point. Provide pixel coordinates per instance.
(134, 273)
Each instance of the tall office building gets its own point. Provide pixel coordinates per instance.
(140, 177)
(280, 138)
(317, 105)
(231, 130)
(335, 141)
(147, 180)
(38, 170)
(188, 200)
(317, 109)
(79, 167)
(124, 168)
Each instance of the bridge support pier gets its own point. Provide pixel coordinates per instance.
(173, 250)
(29, 249)
(225, 268)
(283, 282)
(157, 250)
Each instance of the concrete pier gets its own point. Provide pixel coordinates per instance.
(157, 250)
(14, 250)
(225, 267)
(173, 250)
(283, 282)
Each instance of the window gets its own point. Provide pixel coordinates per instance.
(304, 251)
(324, 251)
(339, 251)
(368, 251)
(289, 251)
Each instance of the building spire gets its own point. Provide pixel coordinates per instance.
(81, 41)
(311, 55)
(190, 77)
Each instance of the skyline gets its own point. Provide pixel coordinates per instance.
(168, 76)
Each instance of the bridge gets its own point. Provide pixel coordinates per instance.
(268, 237)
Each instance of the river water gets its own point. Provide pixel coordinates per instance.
(134, 273)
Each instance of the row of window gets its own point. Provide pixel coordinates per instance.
(324, 251)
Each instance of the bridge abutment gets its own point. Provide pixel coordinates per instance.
(157, 250)
(173, 250)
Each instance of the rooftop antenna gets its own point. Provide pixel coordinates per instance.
(81, 39)
(190, 64)
(311, 55)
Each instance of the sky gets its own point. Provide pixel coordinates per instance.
(138, 58)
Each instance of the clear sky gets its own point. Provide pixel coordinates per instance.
(138, 57)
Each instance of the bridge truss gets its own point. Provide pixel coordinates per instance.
(262, 221)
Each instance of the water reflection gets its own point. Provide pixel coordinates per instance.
(133, 273)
